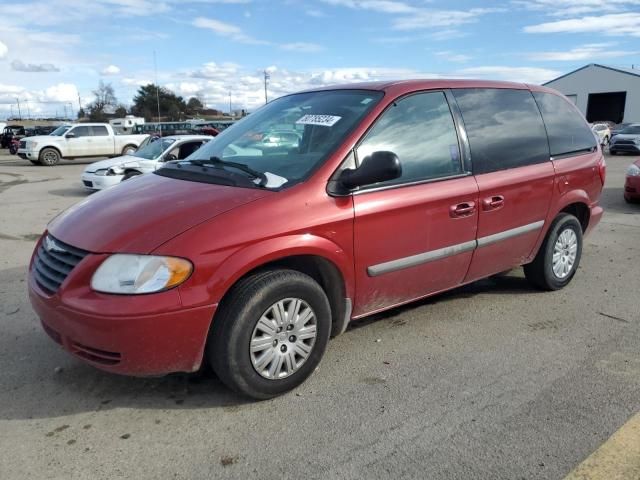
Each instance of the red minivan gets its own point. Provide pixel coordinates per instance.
(251, 259)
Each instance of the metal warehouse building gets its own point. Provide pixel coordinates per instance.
(602, 92)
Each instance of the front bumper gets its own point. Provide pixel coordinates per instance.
(25, 154)
(632, 188)
(91, 181)
(624, 148)
(140, 335)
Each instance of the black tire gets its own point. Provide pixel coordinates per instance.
(130, 174)
(49, 157)
(613, 152)
(128, 148)
(540, 272)
(235, 321)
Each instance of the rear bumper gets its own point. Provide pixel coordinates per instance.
(632, 188)
(132, 344)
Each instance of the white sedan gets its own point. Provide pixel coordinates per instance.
(152, 156)
(602, 133)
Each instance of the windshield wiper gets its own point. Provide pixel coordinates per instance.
(219, 163)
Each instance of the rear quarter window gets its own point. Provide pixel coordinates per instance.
(568, 132)
(504, 128)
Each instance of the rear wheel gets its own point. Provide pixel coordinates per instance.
(49, 157)
(129, 149)
(559, 256)
(270, 333)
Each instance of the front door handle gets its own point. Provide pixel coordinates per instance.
(493, 203)
(463, 209)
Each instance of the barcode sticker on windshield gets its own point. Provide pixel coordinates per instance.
(322, 120)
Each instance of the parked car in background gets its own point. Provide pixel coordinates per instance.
(252, 262)
(602, 133)
(616, 129)
(276, 141)
(627, 141)
(164, 128)
(77, 141)
(632, 183)
(107, 173)
(10, 132)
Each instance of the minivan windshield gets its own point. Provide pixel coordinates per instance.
(281, 143)
(153, 150)
(58, 132)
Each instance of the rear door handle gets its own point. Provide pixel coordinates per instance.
(463, 209)
(493, 203)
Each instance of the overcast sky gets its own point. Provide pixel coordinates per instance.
(53, 50)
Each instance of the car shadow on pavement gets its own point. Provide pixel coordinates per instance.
(70, 192)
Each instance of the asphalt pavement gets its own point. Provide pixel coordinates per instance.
(494, 380)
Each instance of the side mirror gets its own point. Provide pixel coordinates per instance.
(70, 135)
(377, 167)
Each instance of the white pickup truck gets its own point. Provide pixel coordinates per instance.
(76, 141)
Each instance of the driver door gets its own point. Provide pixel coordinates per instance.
(414, 235)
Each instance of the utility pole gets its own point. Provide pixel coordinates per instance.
(230, 111)
(19, 112)
(155, 66)
(266, 78)
(11, 110)
(79, 104)
(65, 110)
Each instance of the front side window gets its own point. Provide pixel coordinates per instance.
(419, 129)
(81, 132)
(504, 128)
(567, 130)
(305, 127)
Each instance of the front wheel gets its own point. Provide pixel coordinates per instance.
(270, 333)
(559, 256)
(49, 157)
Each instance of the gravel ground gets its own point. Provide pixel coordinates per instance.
(492, 380)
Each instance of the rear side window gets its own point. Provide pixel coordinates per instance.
(567, 130)
(504, 128)
(100, 131)
(419, 129)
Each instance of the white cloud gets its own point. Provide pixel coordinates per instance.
(228, 30)
(585, 52)
(20, 66)
(429, 18)
(3, 50)
(383, 6)
(572, 8)
(454, 57)
(513, 74)
(613, 24)
(110, 70)
(302, 47)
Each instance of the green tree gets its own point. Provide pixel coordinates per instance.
(145, 103)
(121, 111)
(81, 113)
(194, 105)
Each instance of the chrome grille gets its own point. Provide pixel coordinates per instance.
(53, 263)
(23, 144)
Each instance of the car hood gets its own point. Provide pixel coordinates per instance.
(141, 214)
(627, 136)
(41, 138)
(112, 162)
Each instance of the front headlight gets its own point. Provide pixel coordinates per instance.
(109, 171)
(633, 170)
(136, 274)
(31, 145)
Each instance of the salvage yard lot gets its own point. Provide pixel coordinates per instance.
(493, 380)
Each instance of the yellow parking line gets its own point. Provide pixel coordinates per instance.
(617, 459)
